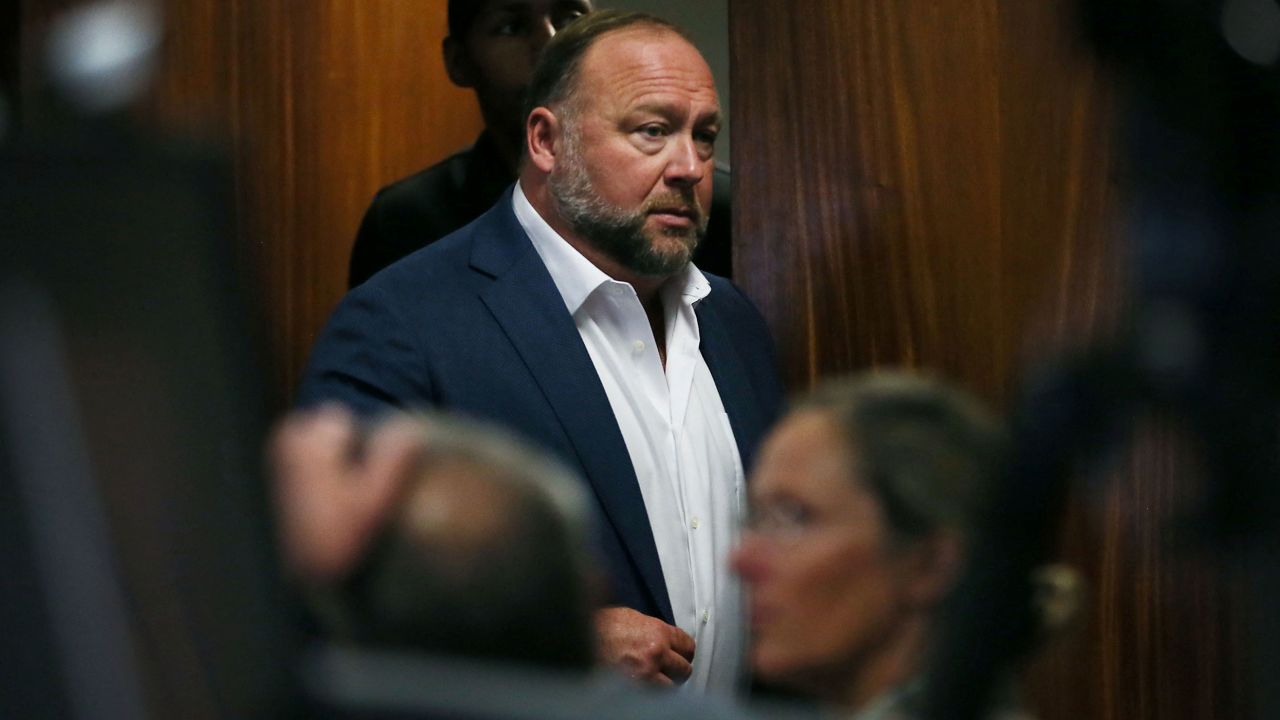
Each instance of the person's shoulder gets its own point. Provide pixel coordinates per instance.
(719, 283)
(735, 310)
(444, 266)
(438, 267)
(427, 188)
(724, 293)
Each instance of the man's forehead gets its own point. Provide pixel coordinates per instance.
(634, 61)
(643, 42)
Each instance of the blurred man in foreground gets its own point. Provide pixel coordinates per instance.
(445, 538)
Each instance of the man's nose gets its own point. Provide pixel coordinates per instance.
(685, 166)
(747, 559)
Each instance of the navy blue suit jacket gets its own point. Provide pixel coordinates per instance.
(474, 324)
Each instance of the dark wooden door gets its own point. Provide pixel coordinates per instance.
(931, 183)
(319, 104)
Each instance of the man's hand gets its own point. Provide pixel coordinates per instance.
(643, 647)
(332, 497)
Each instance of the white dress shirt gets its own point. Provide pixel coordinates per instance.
(677, 434)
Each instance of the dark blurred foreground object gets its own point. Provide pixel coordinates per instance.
(343, 684)
(140, 578)
(139, 570)
(437, 535)
(1201, 342)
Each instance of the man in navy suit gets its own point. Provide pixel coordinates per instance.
(571, 313)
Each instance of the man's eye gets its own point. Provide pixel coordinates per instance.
(562, 20)
(707, 137)
(653, 131)
(794, 516)
(782, 518)
(509, 28)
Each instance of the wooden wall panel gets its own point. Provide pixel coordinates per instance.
(939, 176)
(320, 104)
(931, 183)
(1162, 637)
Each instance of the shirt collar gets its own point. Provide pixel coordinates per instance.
(577, 278)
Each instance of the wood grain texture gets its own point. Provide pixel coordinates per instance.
(921, 149)
(319, 104)
(930, 183)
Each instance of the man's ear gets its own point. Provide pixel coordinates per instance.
(543, 131)
(457, 63)
(933, 567)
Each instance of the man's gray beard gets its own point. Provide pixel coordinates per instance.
(614, 231)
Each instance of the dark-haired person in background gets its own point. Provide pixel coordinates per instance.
(570, 313)
(492, 48)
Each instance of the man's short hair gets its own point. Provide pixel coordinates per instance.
(507, 581)
(462, 13)
(556, 75)
(929, 452)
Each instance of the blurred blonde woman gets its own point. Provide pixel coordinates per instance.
(863, 503)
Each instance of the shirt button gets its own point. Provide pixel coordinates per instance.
(637, 347)
(695, 523)
(706, 616)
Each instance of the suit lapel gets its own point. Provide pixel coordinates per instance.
(524, 300)
(736, 393)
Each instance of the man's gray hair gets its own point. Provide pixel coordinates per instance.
(502, 455)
